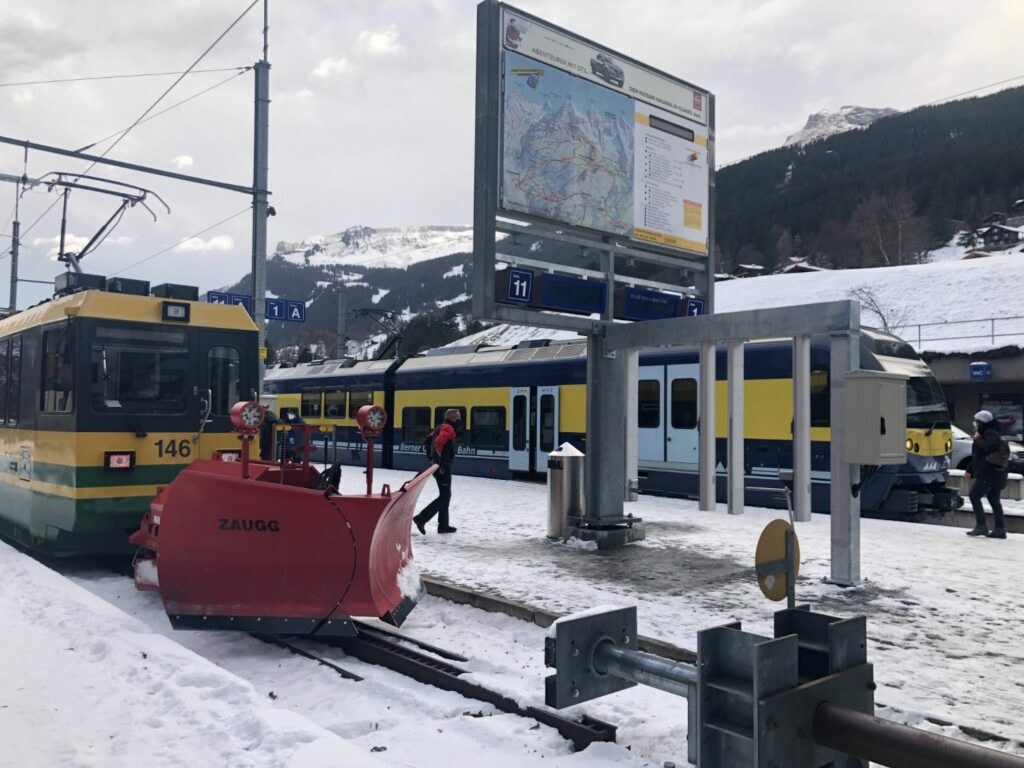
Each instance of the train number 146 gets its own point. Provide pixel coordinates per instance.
(176, 448)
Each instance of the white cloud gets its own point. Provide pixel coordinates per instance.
(22, 97)
(380, 43)
(122, 240)
(72, 243)
(199, 245)
(181, 162)
(329, 68)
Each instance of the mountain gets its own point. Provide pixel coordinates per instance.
(887, 194)
(823, 124)
(369, 247)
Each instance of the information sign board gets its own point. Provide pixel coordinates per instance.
(596, 141)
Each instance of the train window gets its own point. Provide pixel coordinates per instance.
(821, 401)
(14, 382)
(520, 422)
(334, 404)
(649, 404)
(140, 370)
(225, 365)
(58, 385)
(311, 404)
(5, 346)
(684, 404)
(415, 424)
(439, 413)
(488, 427)
(547, 423)
(357, 399)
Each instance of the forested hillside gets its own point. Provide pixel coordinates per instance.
(883, 195)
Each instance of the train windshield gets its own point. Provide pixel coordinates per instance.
(926, 406)
(139, 370)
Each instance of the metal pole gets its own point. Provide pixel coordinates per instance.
(900, 746)
(845, 507)
(342, 339)
(802, 428)
(15, 245)
(706, 434)
(120, 164)
(259, 204)
(68, 257)
(736, 472)
(645, 668)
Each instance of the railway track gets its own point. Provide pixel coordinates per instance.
(432, 665)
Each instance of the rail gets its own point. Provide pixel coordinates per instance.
(989, 328)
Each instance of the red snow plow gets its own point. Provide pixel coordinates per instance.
(273, 547)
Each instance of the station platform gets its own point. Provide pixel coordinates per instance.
(944, 610)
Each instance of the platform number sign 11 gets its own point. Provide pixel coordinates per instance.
(520, 285)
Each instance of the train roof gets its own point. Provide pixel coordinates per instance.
(122, 306)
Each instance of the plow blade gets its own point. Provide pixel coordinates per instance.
(269, 554)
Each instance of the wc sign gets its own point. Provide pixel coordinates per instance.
(276, 309)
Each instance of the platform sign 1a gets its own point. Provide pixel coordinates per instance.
(276, 309)
(694, 307)
(584, 148)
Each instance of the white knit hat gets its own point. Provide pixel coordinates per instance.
(983, 417)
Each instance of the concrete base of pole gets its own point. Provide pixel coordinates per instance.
(609, 537)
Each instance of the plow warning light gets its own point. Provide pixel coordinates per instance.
(371, 420)
(247, 416)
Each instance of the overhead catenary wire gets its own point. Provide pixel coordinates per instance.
(183, 240)
(120, 77)
(242, 71)
(171, 87)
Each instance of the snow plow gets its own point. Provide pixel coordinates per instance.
(273, 547)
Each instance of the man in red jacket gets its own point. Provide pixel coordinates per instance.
(442, 453)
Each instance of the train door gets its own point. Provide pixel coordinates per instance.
(547, 426)
(681, 396)
(651, 413)
(519, 430)
(223, 381)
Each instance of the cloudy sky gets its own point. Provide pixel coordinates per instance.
(372, 113)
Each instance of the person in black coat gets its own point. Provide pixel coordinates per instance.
(988, 477)
(442, 453)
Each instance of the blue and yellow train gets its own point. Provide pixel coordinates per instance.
(104, 397)
(519, 403)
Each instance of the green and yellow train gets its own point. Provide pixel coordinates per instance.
(105, 397)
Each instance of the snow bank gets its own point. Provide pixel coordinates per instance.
(84, 684)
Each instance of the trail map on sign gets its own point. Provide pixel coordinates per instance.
(569, 148)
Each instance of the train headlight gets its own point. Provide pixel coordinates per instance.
(910, 444)
(949, 446)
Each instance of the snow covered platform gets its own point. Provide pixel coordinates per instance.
(84, 684)
(944, 610)
(92, 674)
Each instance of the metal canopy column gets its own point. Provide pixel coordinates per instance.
(845, 507)
(632, 478)
(736, 471)
(605, 469)
(708, 446)
(802, 428)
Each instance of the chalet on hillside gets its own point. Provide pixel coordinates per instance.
(996, 217)
(998, 237)
(797, 266)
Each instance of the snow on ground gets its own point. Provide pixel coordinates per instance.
(950, 251)
(385, 247)
(106, 682)
(380, 294)
(454, 271)
(448, 302)
(944, 611)
(84, 684)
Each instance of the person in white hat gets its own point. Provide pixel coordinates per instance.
(989, 458)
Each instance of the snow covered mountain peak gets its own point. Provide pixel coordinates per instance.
(385, 247)
(825, 123)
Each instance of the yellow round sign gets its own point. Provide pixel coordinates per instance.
(771, 549)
